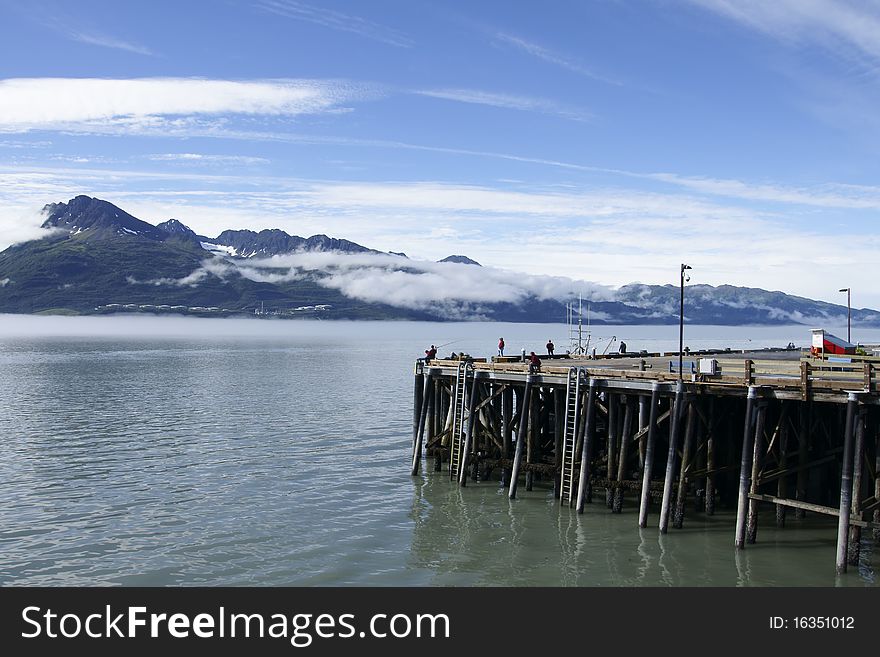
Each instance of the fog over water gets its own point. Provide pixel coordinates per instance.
(165, 451)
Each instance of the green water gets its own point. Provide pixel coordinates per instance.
(183, 452)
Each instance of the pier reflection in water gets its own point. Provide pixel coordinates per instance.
(476, 536)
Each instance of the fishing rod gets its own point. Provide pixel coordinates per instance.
(446, 344)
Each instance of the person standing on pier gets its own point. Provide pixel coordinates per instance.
(550, 347)
(534, 363)
(622, 347)
(500, 346)
(431, 354)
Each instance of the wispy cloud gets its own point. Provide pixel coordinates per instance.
(829, 195)
(551, 57)
(508, 101)
(209, 159)
(336, 20)
(142, 104)
(106, 41)
(842, 25)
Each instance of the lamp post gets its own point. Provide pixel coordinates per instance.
(681, 320)
(848, 312)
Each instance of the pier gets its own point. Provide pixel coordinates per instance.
(740, 430)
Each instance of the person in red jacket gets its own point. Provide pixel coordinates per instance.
(500, 346)
(534, 363)
(431, 354)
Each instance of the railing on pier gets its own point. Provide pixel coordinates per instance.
(807, 377)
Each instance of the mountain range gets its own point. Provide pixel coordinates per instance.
(97, 258)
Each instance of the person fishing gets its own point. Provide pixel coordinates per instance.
(500, 346)
(431, 354)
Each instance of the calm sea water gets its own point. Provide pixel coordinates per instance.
(148, 451)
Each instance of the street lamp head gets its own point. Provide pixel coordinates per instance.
(844, 289)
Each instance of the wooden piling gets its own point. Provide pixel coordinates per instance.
(589, 436)
(625, 437)
(674, 432)
(803, 456)
(506, 432)
(745, 470)
(533, 434)
(877, 482)
(521, 431)
(643, 422)
(846, 483)
(855, 531)
(649, 454)
(468, 435)
(782, 483)
(418, 392)
(710, 459)
(757, 465)
(420, 432)
(611, 435)
(678, 513)
(558, 430)
(439, 419)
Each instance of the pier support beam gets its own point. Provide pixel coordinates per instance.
(625, 437)
(506, 432)
(643, 422)
(855, 532)
(710, 458)
(418, 394)
(852, 403)
(558, 430)
(757, 466)
(678, 513)
(782, 484)
(533, 435)
(649, 454)
(877, 482)
(803, 457)
(674, 432)
(611, 446)
(745, 470)
(521, 432)
(427, 398)
(589, 437)
(469, 432)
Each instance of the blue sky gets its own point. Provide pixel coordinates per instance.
(603, 141)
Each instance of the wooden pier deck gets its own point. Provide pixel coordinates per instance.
(736, 429)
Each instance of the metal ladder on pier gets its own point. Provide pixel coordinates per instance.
(459, 422)
(569, 437)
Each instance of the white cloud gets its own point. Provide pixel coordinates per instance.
(21, 224)
(415, 284)
(614, 235)
(140, 104)
(507, 101)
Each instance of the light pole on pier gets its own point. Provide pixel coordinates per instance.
(848, 312)
(681, 319)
